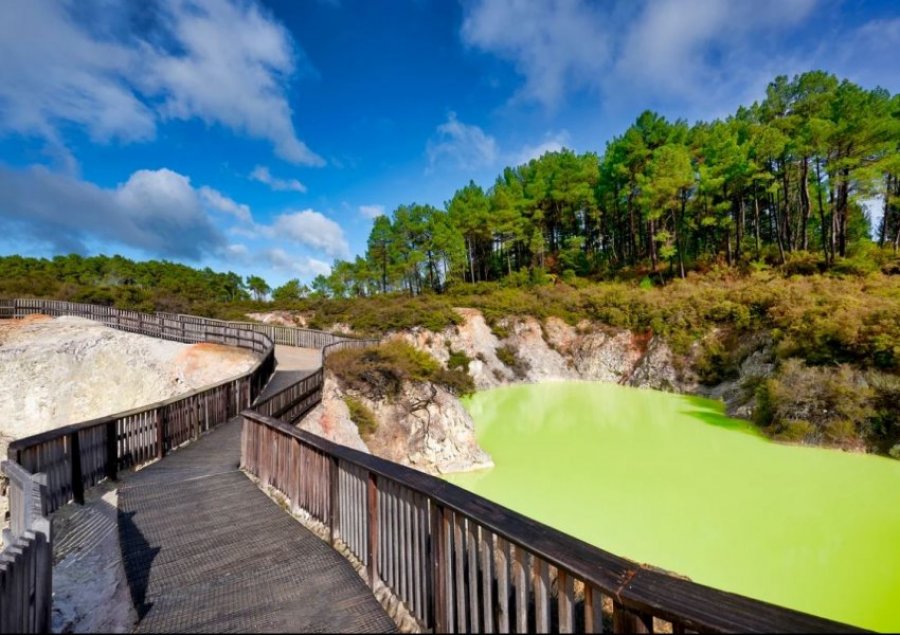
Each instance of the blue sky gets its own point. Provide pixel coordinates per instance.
(262, 137)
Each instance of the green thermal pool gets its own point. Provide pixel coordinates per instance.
(671, 481)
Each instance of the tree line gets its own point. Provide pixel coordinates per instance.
(784, 175)
(115, 280)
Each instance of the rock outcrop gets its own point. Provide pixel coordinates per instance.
(553, 351)
(425, 427)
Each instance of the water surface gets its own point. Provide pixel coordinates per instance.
(669, 480)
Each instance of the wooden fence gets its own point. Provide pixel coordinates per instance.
(285, 335)
(27, 558)
(460, 563)
(80, 455)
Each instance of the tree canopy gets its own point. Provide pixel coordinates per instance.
(785, 175)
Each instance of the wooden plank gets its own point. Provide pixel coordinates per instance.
(372, 526)
(487, 580)
(472, 552)
(502, 585)
(566, 602)
(459, 540)
(593, 615)
(541, 596)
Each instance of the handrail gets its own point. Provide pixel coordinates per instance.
(26, 560)
(457, 560)
(82, 454)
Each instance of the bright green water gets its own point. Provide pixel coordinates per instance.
(671, 481)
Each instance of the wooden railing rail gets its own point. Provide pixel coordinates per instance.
(461, 563)
(78, 456)
(278, 333)
(293, 402)
(26, 559)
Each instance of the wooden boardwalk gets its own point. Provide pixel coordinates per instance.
(205, 550)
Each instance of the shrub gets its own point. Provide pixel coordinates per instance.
(508, 357)
(458, 360)
(381, 370)
(815, 404)
(362, 416)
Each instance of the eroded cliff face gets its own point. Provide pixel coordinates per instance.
(554, 351)
(425, 427)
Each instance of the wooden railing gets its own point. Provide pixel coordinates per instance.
(27, 559)
(78, 456)
(285, 335)
(461, 563)
(293, 402)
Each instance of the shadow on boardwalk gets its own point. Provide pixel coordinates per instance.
(205, 550)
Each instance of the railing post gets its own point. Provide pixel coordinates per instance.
(335, 519)
(160, 432)
(437, 578)
(112, 451)
(628, 621)
(373, 527)
(75, 464)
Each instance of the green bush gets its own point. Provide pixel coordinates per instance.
(458, 360)
(812, 404)
(508, 357)
(362, 416)
(380, 371)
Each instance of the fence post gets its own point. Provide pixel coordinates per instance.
(75, 464)
(373, 527)
(160, 432)
(335, 519)
(112, 451)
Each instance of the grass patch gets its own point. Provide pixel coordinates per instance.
(380, 371)
(511, 359)
(362, 416)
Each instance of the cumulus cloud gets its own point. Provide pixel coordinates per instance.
(466, 146)
(686, 49)
(313, 229)
(552, 143)
(221, 203)
(282, 262)
(371, 211)
(553, 44)
(225, 62)
(261, 173)
(157, 211)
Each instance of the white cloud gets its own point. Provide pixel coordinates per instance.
(698, 51)
(157, 211)
(867, 54)
(315, 230)
(552, 143)
(465, 145)
(224, 62)
(668, 47)
(555, 45)
(237, 251)
(371, 211)
(261, 173)
(283, 262)
(221, 203)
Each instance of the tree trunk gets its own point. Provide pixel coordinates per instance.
(824, 226)
(804, 203)
(786, 216)
(756, 222)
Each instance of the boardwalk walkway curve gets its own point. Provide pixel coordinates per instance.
(206, 550)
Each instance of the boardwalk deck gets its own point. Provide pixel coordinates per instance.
(205, 550)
